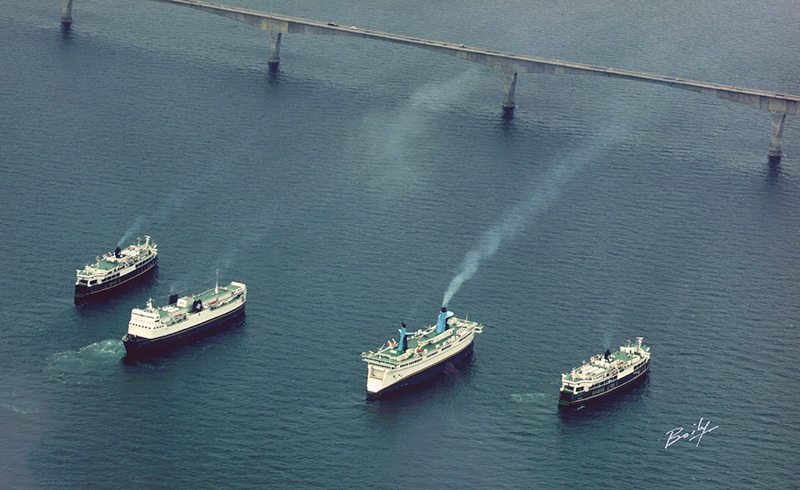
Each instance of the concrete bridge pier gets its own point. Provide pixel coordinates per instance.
(508, 100)
(66, 14)
(774, 153)
(274, 50)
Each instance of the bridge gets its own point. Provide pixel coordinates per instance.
(779, 105)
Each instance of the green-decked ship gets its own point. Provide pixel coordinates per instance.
(416, 357)
(115, 270)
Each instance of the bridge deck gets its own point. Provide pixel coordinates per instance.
(509, 63)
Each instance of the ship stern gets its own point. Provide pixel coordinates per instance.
(375, 377)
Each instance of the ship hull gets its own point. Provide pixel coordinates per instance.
(138, 347)
(423, 375)
(571, 401)
(85, 294)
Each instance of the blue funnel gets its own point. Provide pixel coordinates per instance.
(402, 344)
(441, 323)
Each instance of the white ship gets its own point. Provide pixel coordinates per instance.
(114, 270)
(605, 375)
(155, 330)
(418, 356)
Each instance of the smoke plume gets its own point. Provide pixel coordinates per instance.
(538, 199)
(137, 224)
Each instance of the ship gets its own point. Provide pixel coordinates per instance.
(153, 331)
(416, 357)
(115, 270)
(604, 376)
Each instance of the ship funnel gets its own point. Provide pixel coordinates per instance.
(403, 344)
(441, 323)
(173, 298)
(117, 252)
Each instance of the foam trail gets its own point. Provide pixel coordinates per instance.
(131, 230)
(536, 201)
(87, 365)
(529, 397)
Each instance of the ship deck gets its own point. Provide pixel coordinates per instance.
(421, 342)
(168, 310)
(598, 366)
(105, 265)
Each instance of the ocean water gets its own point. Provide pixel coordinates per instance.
(346, 191)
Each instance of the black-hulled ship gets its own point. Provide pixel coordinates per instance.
(153, 331)
(115, 270)
(605, 375)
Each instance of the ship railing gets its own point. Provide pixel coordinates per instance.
(378, 356)
(424, 343)
(422, 333)
(440, 337)
(466, 323)
(375, 361)
(383, 355)
(405, 355)
(579, 375)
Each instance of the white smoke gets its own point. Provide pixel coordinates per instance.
(537, 200)
(137, 224)
(389, 161)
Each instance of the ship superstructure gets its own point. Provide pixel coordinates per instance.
(154, 330)
(604, 375)
(114, 270)
(418, 356)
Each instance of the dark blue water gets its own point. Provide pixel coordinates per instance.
(346, 191)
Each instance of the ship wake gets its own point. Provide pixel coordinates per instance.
(529, 397)
(86, 365)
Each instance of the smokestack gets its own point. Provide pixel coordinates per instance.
(441, 323)
(117, 252)
(401, 346)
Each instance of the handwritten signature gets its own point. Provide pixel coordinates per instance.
(675, 435)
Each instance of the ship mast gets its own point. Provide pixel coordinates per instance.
(216, 285)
